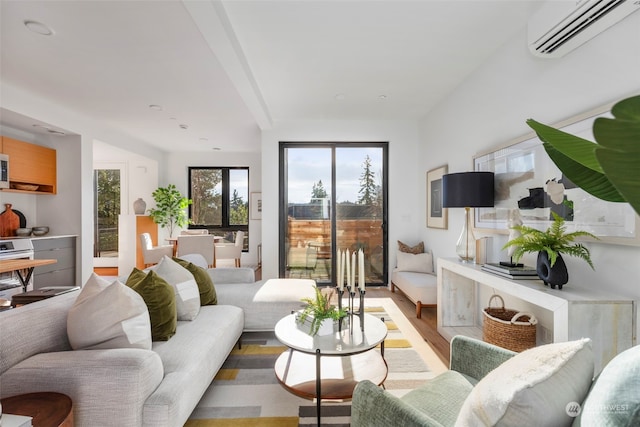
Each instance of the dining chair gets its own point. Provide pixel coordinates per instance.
(194, 232)
(197, 244)
(153, 254)
(230, 250)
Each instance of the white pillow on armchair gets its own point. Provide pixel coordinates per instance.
(418, 263)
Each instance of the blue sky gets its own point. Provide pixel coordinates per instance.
(309, 165)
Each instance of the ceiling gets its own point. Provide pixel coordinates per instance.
(219, 72)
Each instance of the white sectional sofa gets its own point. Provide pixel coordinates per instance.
(135, 387)
(115, 387)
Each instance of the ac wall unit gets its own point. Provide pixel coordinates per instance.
(561, 26)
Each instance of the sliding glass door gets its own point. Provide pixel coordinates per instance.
(333, 197)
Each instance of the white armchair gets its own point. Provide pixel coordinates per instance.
(197, 244)
(153, 254)
(230, 250)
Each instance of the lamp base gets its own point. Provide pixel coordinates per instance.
(466, 245)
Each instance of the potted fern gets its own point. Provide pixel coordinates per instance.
(549, 245)
(319, 316)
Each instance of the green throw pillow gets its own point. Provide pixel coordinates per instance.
(160, 298)
(205, 284)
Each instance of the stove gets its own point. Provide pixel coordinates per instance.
(18, 248)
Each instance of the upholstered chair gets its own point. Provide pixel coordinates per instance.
(197, 244)
(153, 254)
(230, 250)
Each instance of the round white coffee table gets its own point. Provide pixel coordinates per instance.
(341, 359)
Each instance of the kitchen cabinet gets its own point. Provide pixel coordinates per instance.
(568, 314)
(63, 272)
(30, 165)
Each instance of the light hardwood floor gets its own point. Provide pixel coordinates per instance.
(426, 326)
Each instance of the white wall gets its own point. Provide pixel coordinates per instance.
(177, 174)
(405, 219)
(491, 107)
(71, 210)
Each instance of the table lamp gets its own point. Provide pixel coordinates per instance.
(467, 190)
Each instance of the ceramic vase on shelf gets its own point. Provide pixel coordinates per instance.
(139, 206)
(552, 276)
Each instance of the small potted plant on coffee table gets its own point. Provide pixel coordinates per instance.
(549, 245)
(319, 316)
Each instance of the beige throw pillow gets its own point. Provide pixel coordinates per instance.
(108, 315)
(418, 263)
(185, 286)
(533, 388)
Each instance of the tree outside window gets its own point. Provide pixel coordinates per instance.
(220, 199)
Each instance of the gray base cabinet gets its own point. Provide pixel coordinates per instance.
(63, 272)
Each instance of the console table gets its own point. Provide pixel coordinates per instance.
(568, 314)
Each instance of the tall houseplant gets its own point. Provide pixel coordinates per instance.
(549, 245)
(607, 169)
(170, 208)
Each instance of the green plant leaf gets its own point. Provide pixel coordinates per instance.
(619, 150)
(594, 183)
(582, 151)
(608, 169)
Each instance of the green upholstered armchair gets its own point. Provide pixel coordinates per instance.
(436, 403)
(567, 396)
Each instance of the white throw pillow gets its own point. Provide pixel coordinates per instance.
(419, 263)
(533, 388)
(108, 315)
(185, 286)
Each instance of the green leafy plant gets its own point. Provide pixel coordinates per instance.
(553, 241)
(319, 309)
(170, 208)
(607, 169)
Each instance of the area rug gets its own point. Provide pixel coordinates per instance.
(246, 393)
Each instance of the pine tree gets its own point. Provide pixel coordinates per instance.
(318, 192)
(368, 193)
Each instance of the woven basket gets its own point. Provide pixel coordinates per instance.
(509, 329)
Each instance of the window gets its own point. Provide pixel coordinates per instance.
(220, 200)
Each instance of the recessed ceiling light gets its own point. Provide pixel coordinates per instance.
(216, 148)
(38, 28)
(183, 126)
(155, 107)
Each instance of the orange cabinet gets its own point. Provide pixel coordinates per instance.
(32, 167)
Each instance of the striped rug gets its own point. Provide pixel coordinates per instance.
(246, 393)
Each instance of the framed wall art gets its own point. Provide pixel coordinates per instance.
(436, 214)
(527, 180)
(255, 205)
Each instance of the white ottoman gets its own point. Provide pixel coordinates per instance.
(264, 303)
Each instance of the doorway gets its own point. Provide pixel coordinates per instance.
(333, 196)
(108, 198)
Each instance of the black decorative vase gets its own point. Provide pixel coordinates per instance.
(552, 276)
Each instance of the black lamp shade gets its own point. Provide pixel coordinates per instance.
(467, 190)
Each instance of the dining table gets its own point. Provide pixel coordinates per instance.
(23, 268)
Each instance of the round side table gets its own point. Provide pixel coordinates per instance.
(47, 409)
